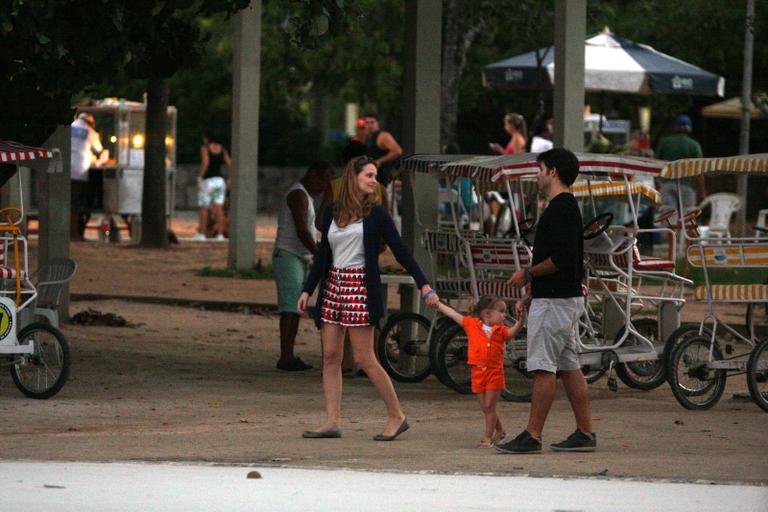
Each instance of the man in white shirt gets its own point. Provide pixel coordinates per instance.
(295, 245)
(86, 144)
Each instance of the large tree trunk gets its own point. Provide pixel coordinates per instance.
(459, 32)
(153, 221)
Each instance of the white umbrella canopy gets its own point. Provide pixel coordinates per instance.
(611, 64)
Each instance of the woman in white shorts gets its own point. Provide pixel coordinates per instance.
(212, 188)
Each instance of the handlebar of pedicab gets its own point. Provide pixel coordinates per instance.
(688, 221)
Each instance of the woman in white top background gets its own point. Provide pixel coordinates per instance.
(350, 295)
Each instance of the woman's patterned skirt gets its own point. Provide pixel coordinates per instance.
(345, 298)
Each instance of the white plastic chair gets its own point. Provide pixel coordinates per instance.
(51, 278)
(723, 206)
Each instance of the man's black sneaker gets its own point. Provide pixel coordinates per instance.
(524, 443)
(296, 365)
(577, 442)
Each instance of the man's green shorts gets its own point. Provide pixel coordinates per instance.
(290, 272)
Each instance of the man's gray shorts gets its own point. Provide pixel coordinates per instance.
(552, 333)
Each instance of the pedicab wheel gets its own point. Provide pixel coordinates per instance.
(694, 385)
(645, 375)
(757, 315)
(402, 347)
(452, 367)
(678, 336)
(44, 372)
(757, 374)
(517, 380)
(442, 324)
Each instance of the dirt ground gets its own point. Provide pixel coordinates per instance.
(191, 384)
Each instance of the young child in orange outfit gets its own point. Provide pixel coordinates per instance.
(487, 337)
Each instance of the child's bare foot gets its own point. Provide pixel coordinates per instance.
(486, 442)
(498, 436)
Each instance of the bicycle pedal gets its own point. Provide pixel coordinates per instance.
(613, 385)
(729, 349)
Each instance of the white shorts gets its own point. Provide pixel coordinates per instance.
(212, 191)
(552, 334)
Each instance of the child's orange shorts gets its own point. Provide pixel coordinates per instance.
(484, 378)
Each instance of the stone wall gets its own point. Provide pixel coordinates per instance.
(273, 182)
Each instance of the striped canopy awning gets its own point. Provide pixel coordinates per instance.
(616, 189)
(739, 164)
(427, 162)
(15, 152)
(498, 168)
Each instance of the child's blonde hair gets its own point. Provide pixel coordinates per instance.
(486, 302)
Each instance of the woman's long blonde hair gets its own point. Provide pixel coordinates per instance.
(349, 206)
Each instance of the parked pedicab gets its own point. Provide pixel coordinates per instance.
(617, 193)
(403, 345)
(615, 269)
(37, 353)
(704, 355)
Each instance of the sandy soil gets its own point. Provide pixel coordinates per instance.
(191, 384)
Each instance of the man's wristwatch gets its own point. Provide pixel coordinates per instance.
(528, 275)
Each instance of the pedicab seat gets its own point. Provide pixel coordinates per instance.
(500, 288)
(602, 250)
(5, 271)
(735, 255)
(10, 273)
(733, 293)
(452, 288)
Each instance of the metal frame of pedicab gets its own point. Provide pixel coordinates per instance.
(22, 346)
(491, 260)
(404, 343)
(697, 367)
(599, 288)
(617, 257)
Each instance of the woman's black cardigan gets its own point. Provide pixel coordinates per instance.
(377, 225)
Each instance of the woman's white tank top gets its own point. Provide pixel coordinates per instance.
(347, 245)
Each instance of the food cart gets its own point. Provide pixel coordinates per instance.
(117, 186)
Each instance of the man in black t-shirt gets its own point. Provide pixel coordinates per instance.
(555, 303)
(383, 148)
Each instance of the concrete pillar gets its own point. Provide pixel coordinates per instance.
(245, 135)
(570, 32)
(421, 115)
(54, 207)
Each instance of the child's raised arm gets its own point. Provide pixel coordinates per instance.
(450, 313)
(515, 329)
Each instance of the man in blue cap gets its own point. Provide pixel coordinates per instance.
(677, 146)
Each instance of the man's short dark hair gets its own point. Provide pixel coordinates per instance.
(372, 114)
(320, 166)
(564, 161)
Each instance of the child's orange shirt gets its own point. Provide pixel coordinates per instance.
(485, 350)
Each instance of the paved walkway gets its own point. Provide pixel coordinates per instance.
(78, 487)
(186, 384)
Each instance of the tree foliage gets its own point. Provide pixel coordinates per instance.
(50, 51)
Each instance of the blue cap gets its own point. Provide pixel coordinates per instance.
(683, 122)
